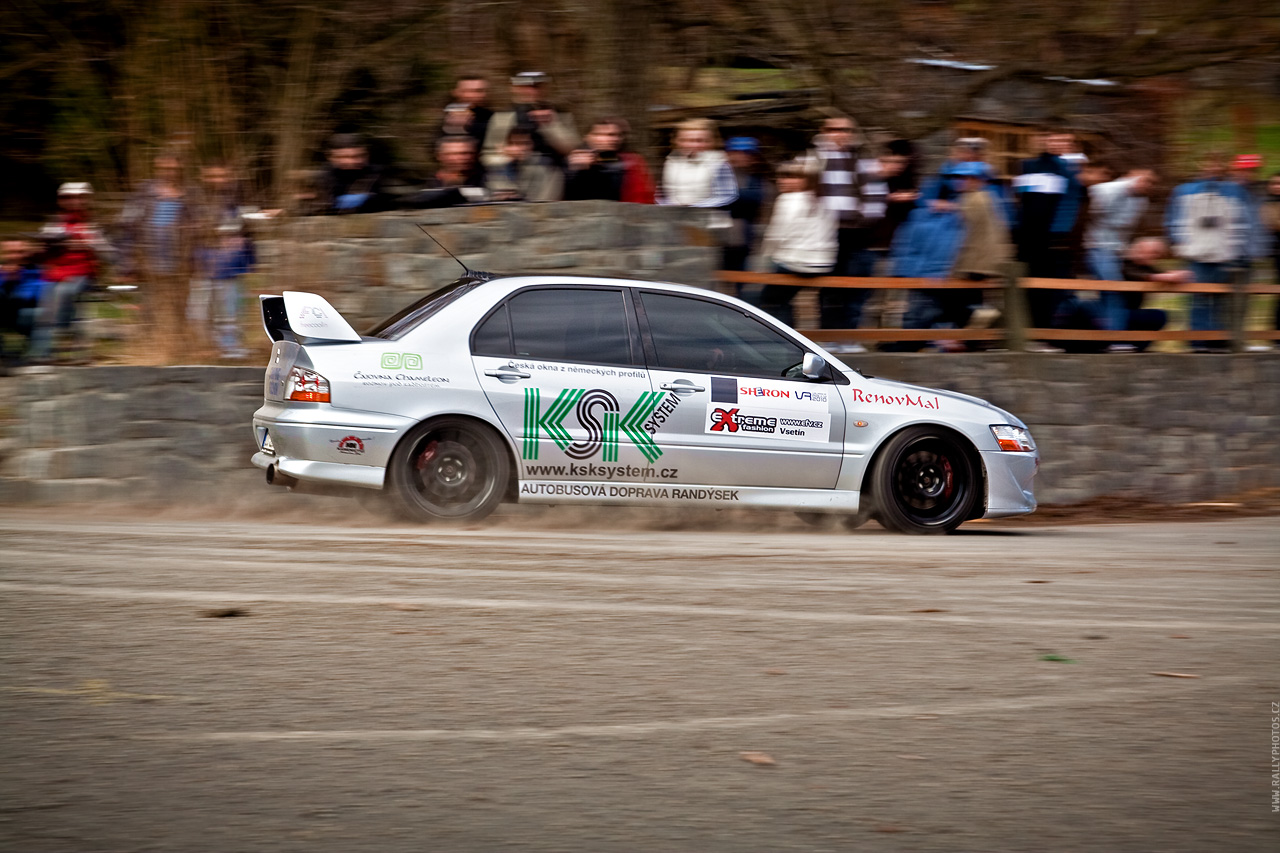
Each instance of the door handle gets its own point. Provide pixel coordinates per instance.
(680, 387)
(506, 374)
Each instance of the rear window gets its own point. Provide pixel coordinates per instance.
(411, 317)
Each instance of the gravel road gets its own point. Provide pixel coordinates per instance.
(176, 684)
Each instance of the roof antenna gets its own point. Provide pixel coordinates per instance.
(466, 270)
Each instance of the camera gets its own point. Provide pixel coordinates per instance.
(1210, 221)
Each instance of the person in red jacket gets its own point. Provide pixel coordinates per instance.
(75, 250)
(603, 169)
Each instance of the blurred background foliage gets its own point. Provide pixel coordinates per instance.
(94, 88)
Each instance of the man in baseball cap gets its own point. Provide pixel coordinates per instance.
(75, 248)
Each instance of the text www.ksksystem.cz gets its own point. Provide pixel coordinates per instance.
(603, 472)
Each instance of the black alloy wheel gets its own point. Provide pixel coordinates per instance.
(925, 481)
(450, 469)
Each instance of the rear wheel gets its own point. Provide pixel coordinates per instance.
(924, 481)
(450, 469)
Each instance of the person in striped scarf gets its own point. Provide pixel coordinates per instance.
(850, 187)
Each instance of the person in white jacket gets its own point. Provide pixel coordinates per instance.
(697, 173)
(801, 237)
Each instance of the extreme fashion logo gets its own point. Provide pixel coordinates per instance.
(730, 420)
(598, 413)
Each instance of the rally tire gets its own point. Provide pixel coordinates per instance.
(924, 481)
(448, 469)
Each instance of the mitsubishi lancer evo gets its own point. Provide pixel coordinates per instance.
(575, 390)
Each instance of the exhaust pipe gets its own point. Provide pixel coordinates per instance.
(278, 478)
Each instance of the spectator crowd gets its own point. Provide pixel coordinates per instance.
(844, 207)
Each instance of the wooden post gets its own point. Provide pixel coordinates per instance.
(1015, 307)
(1238, 306)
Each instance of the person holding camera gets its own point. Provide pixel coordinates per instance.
(552, 131)
(603, 170)
(1209, 226)
(468, 114)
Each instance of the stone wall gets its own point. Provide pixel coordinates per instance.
(372, 265)
(1168, 428)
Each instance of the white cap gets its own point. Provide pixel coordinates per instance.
(530, 78)
(76, 188)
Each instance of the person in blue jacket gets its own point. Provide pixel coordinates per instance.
(927, 245)
(1210, 224)
(21, 284)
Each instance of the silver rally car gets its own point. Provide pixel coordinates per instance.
(558, 389)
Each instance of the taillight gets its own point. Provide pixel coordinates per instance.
(306, 386)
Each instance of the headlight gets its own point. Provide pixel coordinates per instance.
(1014, 438)
(306, 386)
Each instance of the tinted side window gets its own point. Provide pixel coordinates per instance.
(693, 334)
(576, 324)
(493, 336)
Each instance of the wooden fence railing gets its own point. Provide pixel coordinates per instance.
(1015, 331)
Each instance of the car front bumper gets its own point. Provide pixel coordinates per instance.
(1010, 479)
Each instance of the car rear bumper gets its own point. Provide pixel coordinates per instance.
(317, 443)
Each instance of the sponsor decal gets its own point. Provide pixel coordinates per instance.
(598, 413)
(665, 410)
(603, 472)
(730, 420)
(399, 380)
(401, 361)
(918, 401)
(311, 317)
(724, 389)
(350, 444)
(769, 395)
(607, 490)
(781, 423)
(794, 425)
(578, 369)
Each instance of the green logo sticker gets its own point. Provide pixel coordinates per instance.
(401, 361)
(598, 413)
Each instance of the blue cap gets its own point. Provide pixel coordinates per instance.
(742, 143)
(969, 169)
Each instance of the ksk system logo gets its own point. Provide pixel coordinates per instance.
(598, 413)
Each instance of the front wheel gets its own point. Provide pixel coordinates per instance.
(450, 469)
(924, 481)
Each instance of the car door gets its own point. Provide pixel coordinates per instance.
(563, 368)
(731, 416)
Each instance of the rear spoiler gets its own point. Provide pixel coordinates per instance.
(301, 316)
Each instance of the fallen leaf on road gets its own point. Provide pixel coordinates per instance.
(408, 608)
(1179, 636)
(223, 612)
(1037, 581)
(912, 757)
(1056, 658)
(930, 610)
(925, 717)
(763, 759)
(1176, 674)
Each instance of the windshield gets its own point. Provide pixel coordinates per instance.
(410, 317)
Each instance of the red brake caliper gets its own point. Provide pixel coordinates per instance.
(946, 466)
(428, 453)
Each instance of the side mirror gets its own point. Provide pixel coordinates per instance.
(814, 366)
